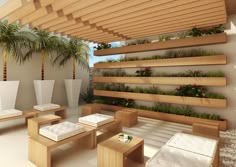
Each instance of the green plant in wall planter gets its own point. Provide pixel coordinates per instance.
(145, 72)
(195, 32)
(78, 52)
(103, 46)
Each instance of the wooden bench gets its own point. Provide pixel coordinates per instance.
(58, 111)
(35, 123)
(40, 147)
(89, 109)
(26, 114)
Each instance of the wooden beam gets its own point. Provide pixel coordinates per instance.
(9, 7)
(25, 10)
(176, 30)
(114, 8)
(184, 9)
(72, 27)
(79, 5)
(103, 5)
(45, 19)
(36, 15)
(163, 19)
(175, 23)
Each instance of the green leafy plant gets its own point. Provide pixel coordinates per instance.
(191, 90)
(103, 46)
(165, 37)
(12, 41)
(45, 43)
(145, 72)
(88, 95)
(139, 42)
(206, 31)
(75, 50)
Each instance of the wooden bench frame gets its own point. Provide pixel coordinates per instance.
(26, 114)
(39, 147)
(58, 111)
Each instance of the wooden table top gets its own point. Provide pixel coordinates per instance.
(115, 144)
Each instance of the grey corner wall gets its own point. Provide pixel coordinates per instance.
(229, 49)
(31, 70)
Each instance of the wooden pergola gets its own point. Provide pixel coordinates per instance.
(114, 20)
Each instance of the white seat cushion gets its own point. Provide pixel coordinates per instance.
(61, 131)
(192, 143)
(174, 157)
(44, 107)
(96, 119)
(10, 113)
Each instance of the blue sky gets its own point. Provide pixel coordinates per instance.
(93, 59)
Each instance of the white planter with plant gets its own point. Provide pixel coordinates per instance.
(77, 51)
(43, 91)
(8, 93)
(73, 91)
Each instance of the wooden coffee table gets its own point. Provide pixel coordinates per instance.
(113, 153)
(108, 129)
(61, 111)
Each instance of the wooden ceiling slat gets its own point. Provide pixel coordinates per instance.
(97, 7)
(36, 15)
(97, 35)
(172, 16)
(45, 19)
(172, 21)
(175, 29)
(137, 8)
(62, 25)
(77, 30)
(23, 11)
(59, 4)
(117, 7)
(9, 7)
(45, 3)
(79, 5)
(166, 26)
(167, 10)
(87, 32)
(54, 22)
(72, 27)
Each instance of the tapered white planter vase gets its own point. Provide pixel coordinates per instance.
(73, 91)
(43, 91)
(8, 93)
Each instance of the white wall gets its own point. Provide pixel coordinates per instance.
(229, 49)
(31, 70)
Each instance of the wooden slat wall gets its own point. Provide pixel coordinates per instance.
(114, 20)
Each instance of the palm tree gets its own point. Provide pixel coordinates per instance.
(74, 49)
(12, 40)
(45, 43)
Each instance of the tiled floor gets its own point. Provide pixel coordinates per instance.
(13, 143)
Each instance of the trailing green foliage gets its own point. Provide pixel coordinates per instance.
(203, 31)
(188, 90)
(188, 73)
(157, 107)
(170, 54)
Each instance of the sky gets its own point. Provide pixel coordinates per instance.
(93, 59)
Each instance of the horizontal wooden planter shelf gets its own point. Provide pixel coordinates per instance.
(205, 81)
(185, 61)
(168, 117)
(178, 43)
(193, 101)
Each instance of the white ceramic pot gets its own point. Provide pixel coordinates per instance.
(8, 93)
(43, 91)
(73, 91)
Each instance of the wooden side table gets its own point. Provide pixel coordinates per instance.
(113, 153)
(35, 123)
(128, 117)
(89, 109)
